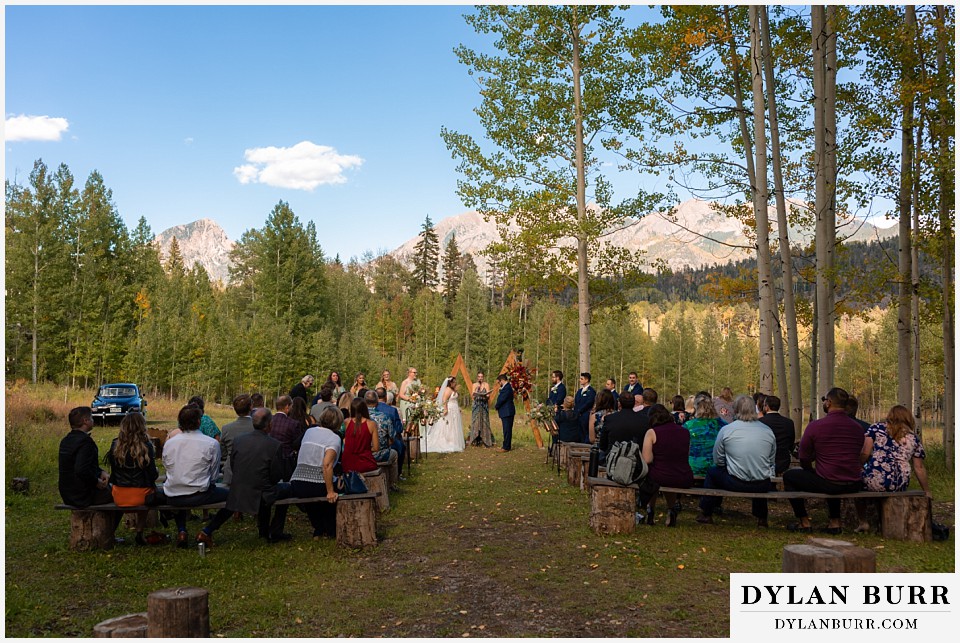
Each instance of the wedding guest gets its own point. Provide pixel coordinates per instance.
(396, 426)
(602, 406)
(360, 441)
(834, 442)
(649, 398)
(724, 404)
(888, 450)
(783, 431)
(853, 405)
(300, 388)
(243, 424)
(207, 426)
(758, 399)
(81, 481)
(324, 401)
(344, 403)
(611, 385)
(665, 449)
(288, 431)
(583, 403)
(313, 477)
(622, 426)
(568, 422)
(386, 452)
(703, 429)
(480, 433)
(679, 410)
(133, 469)
(257, 401)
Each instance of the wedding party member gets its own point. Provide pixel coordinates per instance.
(333, 381)
(665, 449)
(386, 383)
(582, 404)
(611, 385)
(300, 389)
(192, 464)
(703, 429)
(258, 470)
(623, 426)
(480, 433)
(207, 426)
(361, 439)
(633, 387)
(558, 391)
(133, 469)
(359, 384)
(744, 456)
(783, 431)
(243, 424)
(404, 399)
(568, 422)
(602, 406)
(287, 431)
(313, 477)
(835, 443)
(325, 400)
(446, 435)
(506, 411)
(82, 482)
(888, 450)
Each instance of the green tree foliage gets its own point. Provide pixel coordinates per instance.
(452, 273)
(426, 257)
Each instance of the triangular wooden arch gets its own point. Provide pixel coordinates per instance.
(460, 367)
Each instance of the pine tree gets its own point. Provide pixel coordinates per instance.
(426, 257)
(452, 273)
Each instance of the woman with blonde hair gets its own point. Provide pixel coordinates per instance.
(133, 468)
(889, 448)
(359, 384)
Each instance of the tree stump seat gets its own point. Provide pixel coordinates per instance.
(826, 555)
(377, 482)
(91, 528)
(613, 507)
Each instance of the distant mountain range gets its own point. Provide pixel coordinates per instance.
(695, 237)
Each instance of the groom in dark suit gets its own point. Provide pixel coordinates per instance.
(506, 410)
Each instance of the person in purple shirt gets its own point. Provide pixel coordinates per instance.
(288, 432)
(834, 442)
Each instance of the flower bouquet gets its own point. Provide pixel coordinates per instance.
(543, 414)
(521, 379)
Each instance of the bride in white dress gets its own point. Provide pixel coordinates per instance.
(446, 435)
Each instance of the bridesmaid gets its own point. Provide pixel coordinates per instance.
(480, 423)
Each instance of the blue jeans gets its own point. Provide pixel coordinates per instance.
(720, 478)
(208, 497)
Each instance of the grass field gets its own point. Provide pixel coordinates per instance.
(477, 544)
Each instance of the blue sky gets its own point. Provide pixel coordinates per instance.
(178, 108)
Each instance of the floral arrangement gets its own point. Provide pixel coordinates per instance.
(422, 411)
(521, 379)
(541, 413)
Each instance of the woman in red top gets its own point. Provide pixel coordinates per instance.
(360, 440)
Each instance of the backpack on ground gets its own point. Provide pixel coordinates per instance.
(625, 465)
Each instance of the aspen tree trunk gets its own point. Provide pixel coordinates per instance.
(760, 198)
(583, 278)
(915, 281)
(946, 196)
(904, 253)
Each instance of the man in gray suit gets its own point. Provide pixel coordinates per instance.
(230, 432)
(258, 471)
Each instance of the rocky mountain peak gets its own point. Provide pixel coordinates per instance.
(201, 242)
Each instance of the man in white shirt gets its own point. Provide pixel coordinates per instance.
(192, 461)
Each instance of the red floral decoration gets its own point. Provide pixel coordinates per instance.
(521, 379)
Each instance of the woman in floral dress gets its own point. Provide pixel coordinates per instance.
(888, 451)
(480, 421)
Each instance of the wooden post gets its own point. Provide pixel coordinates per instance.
(357, 522)
(574, 467)
(612, 509)
(856, 560)
(907, 518)
(179, 612)
(91, 530)
(377, 482)
(801, 559)
(128, 626)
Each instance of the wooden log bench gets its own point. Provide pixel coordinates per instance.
(575, 466)
(378, 482)
(391, 471)
(905, 515)
(92, 527)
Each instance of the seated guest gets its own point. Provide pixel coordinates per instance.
(325, 400)
(385, 453)
(602, 406)
(888, 450)
(834, 442)
(568, 422)
(287, 431)
(361, 439)
(256, 401)
(611, 385)
(744, 457)
(679, 410)
(649, 398)
(298, 412)
(724, 404)
(666, 448)
(258, 471)
(313, 477)
(207, 426)
(703, 429)
(345, 403)
(758, 400)
(192, 463)
(783, 430)
(243, 424)
(133, 469)
(82, 482)
(853, 405)
(623, 426)
(396, 424)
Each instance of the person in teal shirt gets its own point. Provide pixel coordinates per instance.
(207, 426)
(703, 429)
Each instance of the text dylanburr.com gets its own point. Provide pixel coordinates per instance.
(824, 607)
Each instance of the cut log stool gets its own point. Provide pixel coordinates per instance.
(391, 471)
(377, 481)
(825, 556)
(907, 518)
(91, 530)
(128, 626)
(357, 522)
(574, 466)
(180, 612)
(613, 507)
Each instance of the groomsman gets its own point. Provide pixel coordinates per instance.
(506, 410)
(558, 391)
(582, 404)
(633, 387)
(611, 386)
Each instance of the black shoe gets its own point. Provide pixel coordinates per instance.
(279, 538)
(833, 531)
(797, 527)
(704, 519)
(762, 522)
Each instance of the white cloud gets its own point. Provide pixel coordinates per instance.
(35, 128)
(301, 167)
(188, 140)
